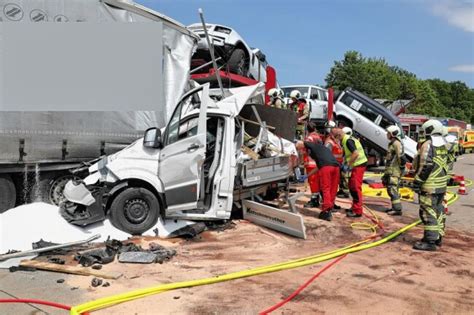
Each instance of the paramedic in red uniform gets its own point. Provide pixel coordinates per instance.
(328, 169)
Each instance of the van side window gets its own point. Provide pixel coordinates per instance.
(177, 129)
(314, 94)
(347, 99)
(384, 123)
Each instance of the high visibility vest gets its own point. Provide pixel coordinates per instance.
(337, 151)
(361, 159)
(437, 181)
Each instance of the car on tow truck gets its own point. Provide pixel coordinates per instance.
(231, 51)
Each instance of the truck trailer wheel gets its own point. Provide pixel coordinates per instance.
(238, 63)
(50, 188)
(7, 193)
(135, 210)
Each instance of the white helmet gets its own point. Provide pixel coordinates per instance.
(281, 93)
(394, 131)
(273, 92)
(445, 131)
(432, 127)
(295, 94)
(329, 125)
(347, 131)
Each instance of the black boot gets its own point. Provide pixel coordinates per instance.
(425, 245)
(342, 194)
(394, 212)
(325, 215)
(336, 208)
(313, 202)
(439, 241)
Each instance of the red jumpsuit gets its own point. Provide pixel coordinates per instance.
(310, 164)
(329, 175)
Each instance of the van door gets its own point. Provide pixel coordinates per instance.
(184, 151)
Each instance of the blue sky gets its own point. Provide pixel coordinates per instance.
(303, 38)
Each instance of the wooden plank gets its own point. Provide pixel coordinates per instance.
(76, 270)
(250, 153)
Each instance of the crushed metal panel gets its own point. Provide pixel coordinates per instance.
(274, 218)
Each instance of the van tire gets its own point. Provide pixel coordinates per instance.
(7, 193)
(238, 62)
(135, 210)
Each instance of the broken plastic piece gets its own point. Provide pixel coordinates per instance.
(137, 257)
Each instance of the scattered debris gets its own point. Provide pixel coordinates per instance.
(189, 231)
(137, 257)
(106, 284)
(21, 268)
(96, 282)
(176, 297)
(220, 226)
(74, 288)
(97, 267)
(77, 270)
(60, 281)
(156, 253)
(47, 249)
(56, 260)
(101, 256)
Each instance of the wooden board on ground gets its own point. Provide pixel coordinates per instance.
(76, 270)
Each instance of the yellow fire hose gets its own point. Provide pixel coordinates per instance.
(136, 294)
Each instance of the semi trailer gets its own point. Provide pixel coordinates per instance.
(80, 79)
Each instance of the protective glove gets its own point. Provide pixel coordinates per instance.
(303, 178)
(345, 168)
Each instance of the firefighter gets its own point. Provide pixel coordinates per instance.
(276, 99)
(301, 107)
(431, 180)
(355, 161)
(310, 165)
(394, 168)
(328, 169)
(450, 144)
(345, 176)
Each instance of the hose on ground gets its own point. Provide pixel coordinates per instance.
(136, 294)
(301, 288)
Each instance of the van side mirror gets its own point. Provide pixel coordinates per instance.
(152, 138)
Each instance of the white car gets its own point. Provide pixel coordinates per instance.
(316, 96)
(235, 55)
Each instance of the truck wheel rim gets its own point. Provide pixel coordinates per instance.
(136, 210)
(56, 195)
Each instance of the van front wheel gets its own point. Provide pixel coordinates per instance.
(135, 210)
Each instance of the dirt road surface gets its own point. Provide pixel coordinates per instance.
(389, 279)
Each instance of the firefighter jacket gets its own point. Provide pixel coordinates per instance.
(431, 173)
(394, 161)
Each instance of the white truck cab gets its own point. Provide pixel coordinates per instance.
(189, 170)
(316, 96)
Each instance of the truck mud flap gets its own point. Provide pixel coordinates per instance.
(274, 218)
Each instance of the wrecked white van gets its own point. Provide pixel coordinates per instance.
(193, 169)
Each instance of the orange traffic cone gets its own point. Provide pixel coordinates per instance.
(445, 205)
(462, 187)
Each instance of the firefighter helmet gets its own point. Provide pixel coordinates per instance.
(347, 131)
(273, 92)
(432, 127)
(328, 125)
(394, 131)
(295, 94)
